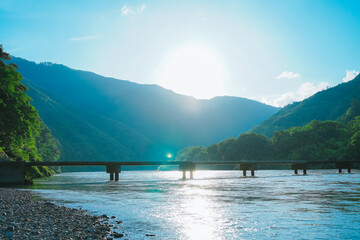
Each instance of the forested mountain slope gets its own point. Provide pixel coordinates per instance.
(129, 120)
(329, 104)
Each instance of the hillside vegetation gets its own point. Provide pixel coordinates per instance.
(316, 141)
(330, 104)
(99, 118)
(23, 135)
(301, 131)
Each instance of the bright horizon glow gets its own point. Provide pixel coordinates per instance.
(262, 50)
(193, 70)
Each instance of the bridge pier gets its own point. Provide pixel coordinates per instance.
(299, 166)
(348, 170)
(248, 167)
(113, 170)
(187, 166)
(344, 165)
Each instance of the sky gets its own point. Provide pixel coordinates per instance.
(273, 51)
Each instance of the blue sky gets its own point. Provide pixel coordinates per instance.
(274, 51)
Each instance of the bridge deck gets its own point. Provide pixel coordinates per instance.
(160, 163)
(10, 169)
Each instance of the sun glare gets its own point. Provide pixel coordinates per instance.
(194, 71)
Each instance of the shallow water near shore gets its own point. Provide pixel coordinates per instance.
(216, 204)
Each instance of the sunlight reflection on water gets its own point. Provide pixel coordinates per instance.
(217, 204)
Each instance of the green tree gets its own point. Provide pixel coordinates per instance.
(23, 136)
(354, 128)
(252, 146)
(47, 145)
(214, 152)
(352, 112)
(19, 121)
(197, 153)
(328, 140)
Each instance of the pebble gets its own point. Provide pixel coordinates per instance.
(118, 235)
(23, 217)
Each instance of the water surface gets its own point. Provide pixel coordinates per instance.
(217, 204)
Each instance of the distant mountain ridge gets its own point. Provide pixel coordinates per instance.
(89, 113)
(329, 104)
(85, 135)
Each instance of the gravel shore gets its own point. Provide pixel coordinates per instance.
(24, 217)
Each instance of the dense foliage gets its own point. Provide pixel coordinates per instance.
(22, 134)
(340, 103)
(316, 141)
(354, 128)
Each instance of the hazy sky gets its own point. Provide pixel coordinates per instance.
(275, 51)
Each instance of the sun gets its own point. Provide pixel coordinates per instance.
(193, 70)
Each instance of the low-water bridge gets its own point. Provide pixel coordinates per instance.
(14, 172)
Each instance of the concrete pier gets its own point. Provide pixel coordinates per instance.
(114, 171)
(248, 167)
(344, 165)
(299, 166)
(187, 166)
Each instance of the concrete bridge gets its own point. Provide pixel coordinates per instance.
(14, 172)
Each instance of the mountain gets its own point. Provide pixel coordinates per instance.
(336, 103)
(86, 135)
(100, 118)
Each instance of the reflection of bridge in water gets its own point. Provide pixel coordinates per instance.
(11, 172)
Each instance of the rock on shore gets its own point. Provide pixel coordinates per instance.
(23, 217)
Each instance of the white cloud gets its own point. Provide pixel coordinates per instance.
(126, 10)
(288, 75)
(350, 75)
(84, 38)
(141, 8)
(305, 90)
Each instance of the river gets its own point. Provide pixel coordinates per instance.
(216, 204)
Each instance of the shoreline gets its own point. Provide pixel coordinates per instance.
(24, 216)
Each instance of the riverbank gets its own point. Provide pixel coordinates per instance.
(22, 216)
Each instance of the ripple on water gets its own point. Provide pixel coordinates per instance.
(217, 204)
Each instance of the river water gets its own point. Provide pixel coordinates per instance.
(216, 204)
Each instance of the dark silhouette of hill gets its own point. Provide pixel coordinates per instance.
(100, 118)
(86, 135)
(336, 103)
